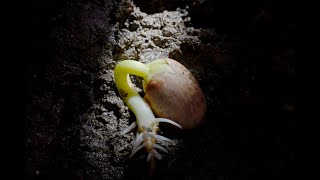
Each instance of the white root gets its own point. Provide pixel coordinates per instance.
(156, 154)
(137, 149)
(168, 121)
(162, 139)
(159, 147)
(130, 128)
(159, 138)
(149, 156)
(138, 141)
(140, 137)
(137, 144)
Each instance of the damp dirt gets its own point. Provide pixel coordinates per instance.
(75, 115)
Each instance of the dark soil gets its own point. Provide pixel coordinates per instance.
(241, 53)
